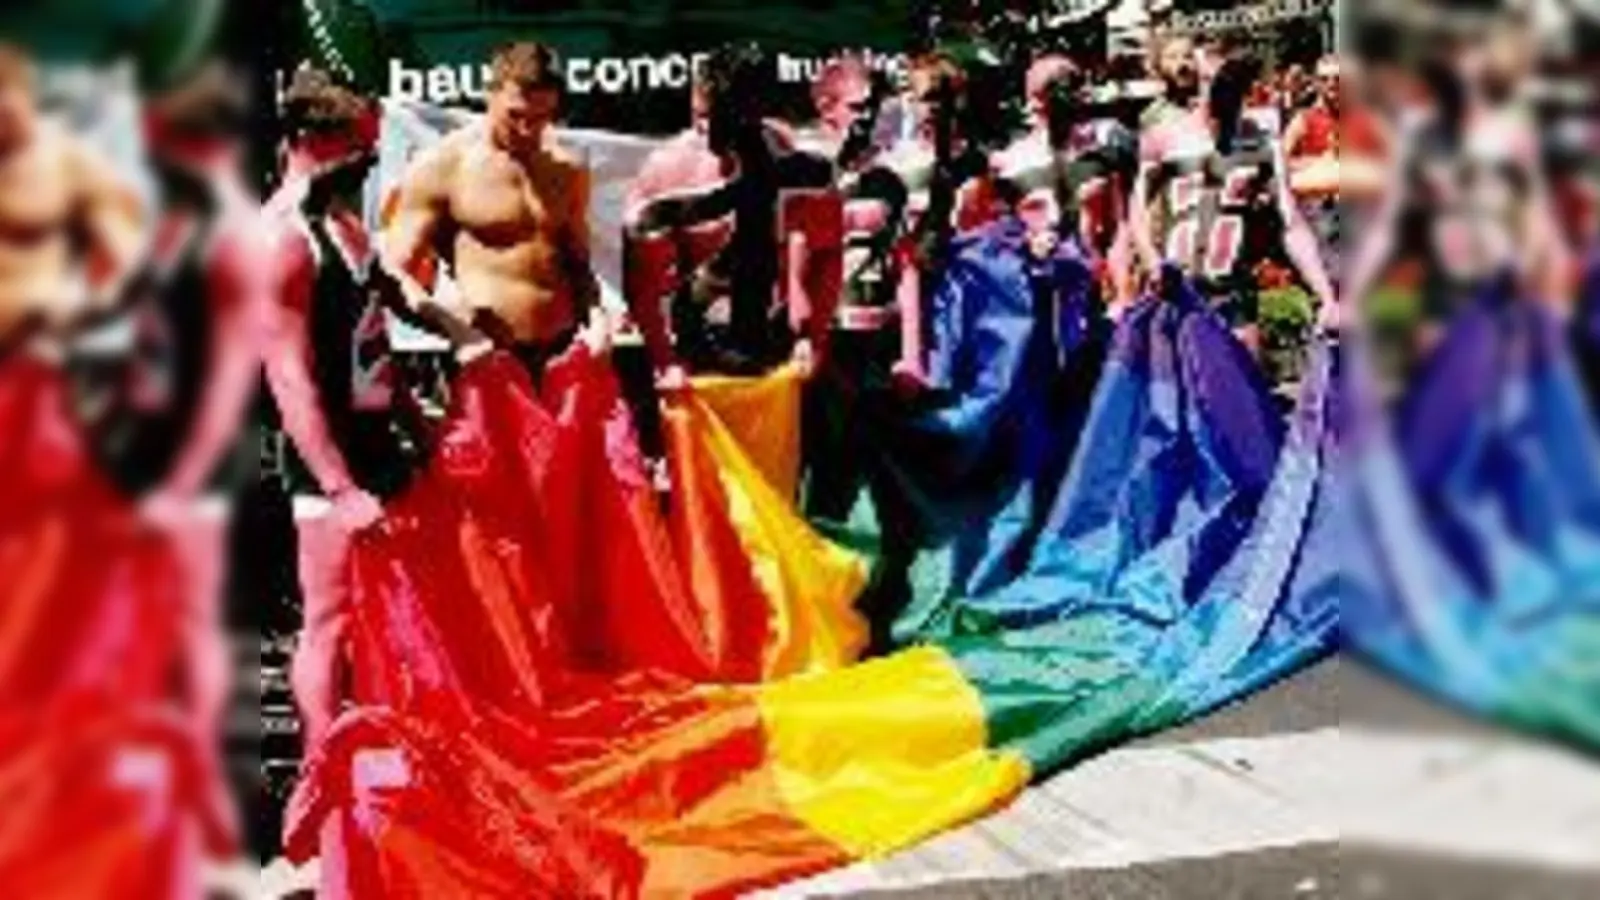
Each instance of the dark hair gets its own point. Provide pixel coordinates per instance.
(742, 73)
(1230, 90)
(527, 64)
(214, 99)
(737, 81)
(315, 103)
(1064, 103)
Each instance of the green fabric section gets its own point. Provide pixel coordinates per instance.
(1560, 696)
(1058, 693)
(855, 501)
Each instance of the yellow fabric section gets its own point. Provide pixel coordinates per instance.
(887, 753)
(810, 583)
(763, 415)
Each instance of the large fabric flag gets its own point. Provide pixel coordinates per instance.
(1474, 572)
(489, 759)
(100, 773)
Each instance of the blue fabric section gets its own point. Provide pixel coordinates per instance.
(1177, 552)
(1474, 569)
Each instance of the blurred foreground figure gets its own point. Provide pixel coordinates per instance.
(1467, 188)
(1471, 560)
(329, 367)
(104, 766)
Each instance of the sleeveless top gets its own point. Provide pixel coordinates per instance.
(152, 410)
(876, 203)
(360, 397)
(1074, 189)
(1218, 212)
(1320, 133)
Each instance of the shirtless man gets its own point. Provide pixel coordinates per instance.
(56, 196)
(1212, 184)
(53, 189)
(507, 208)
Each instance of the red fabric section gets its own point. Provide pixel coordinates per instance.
(100, 801)
(528, 628)
(97, 763)
(89, 603)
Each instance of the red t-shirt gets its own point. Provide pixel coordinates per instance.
(1319, 133)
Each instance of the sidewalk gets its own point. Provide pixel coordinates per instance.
(1335, 784)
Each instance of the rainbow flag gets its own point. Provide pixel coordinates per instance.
(544, 715)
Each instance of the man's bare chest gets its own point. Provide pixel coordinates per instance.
(35, 197)
(501, 202)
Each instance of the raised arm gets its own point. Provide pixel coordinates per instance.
(1299, 242)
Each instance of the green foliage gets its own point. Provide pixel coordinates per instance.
(1286, 317)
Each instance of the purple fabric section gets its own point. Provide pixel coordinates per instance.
(1494, 336)
(1227, 386)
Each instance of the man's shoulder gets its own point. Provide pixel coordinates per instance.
(450, 150)
(564, 159)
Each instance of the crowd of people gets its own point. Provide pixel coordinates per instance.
(991, 417)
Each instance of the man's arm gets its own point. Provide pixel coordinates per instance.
(406, 246)
(238, 287)
(1299, 241)
(577, 258)
(1139, 229)
(649, 256)
(288, 358)
(1376, 248)
(908, 297)
(1551, 257)
(814, 244)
